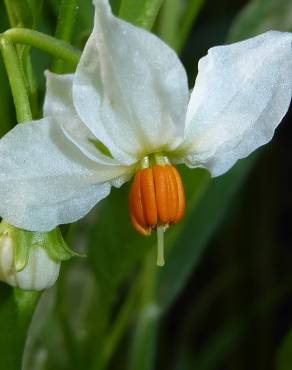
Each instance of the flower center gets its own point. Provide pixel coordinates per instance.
(156, 200)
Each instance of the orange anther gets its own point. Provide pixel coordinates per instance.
(156, 198)
(173, 196)
(181, 196)
(147, 189)
(141, 229)
(162, 190)
(135, 200)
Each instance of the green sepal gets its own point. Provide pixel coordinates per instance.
(23, 240)
(55, 245)
(22, 243)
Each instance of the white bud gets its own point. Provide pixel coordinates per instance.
(40, 272)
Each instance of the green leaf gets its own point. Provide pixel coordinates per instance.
(142, 13)
(284, 353)
(260, 16)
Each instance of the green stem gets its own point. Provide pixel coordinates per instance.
(31, 83)
(11, 13)
(58, 48)
(66, 21)
(16, 80)
(20, 15)
(26, 302)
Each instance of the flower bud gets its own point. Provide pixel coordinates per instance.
(31, 260)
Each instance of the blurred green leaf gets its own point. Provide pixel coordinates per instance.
(142, 13)
(284, 353)
(225, 339)
(115, 5)
(176, 20)
(66, 19)
(114, 246)
(260, 16)
(169, 21)
(7, 118)
(9, 359)
(19, 13)
(6, 103)
(68, 12)
(144, 339)
(16, 309)
(85, 16)
(35, 8)
(190, 14)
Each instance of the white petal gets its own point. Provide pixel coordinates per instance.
(59, 105)
(45, 180)
(130, 88)
(41, 272)
(241, 94)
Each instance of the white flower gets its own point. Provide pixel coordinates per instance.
(36, 271)
(128, 107)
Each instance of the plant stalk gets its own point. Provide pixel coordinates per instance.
(65, 26)
(58, 48)
(16, 80)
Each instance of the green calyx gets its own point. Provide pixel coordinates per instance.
(23, 241)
